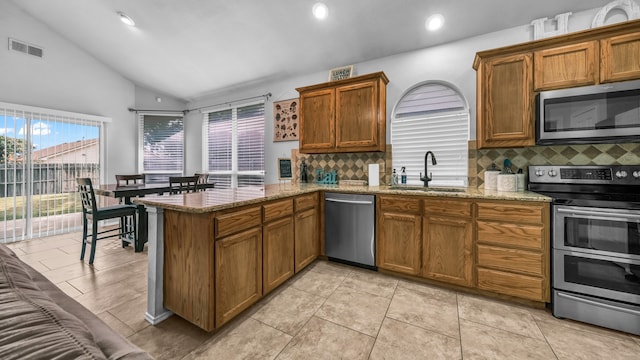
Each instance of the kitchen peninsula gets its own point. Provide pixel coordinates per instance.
(213, 254)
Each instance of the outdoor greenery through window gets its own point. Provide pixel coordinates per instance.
(234, 146)
(162, 146)
(42, 152)
(431, 116)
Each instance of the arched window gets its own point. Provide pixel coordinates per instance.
(431, 116)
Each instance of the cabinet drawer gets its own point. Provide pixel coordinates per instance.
(508, 211)
(306, 201)
(523, 261)
(511, 235)
(522, 286)
(277, 209)
(234, 221)
(403, 204)
(447, 207)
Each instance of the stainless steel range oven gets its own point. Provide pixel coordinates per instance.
(595, 242)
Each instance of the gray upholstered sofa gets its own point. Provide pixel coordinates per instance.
(38, 321)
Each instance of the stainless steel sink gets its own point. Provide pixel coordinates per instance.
(425, 189)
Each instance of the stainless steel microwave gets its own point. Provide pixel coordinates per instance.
(589, 114)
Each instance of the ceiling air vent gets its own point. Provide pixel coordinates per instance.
(23, 47)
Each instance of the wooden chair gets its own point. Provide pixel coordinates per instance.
(91, 212)
(187, 184)
(129, 179)
(202, 180)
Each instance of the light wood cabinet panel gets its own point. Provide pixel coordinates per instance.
(511, 235)
(505, 98)
(620, 58)
(512, 245)
(303, 202)
(357, 116)
(317, 125)
(528, 262)
(398, 204)
(448, 249)
(399, 240)
(278, 252)
(307, 240)
(231, 221)
(566, 66)
(512, 211)
(238, 273)
(344, 116)
(188, 285)
(507, 283)
(448, 207)
(277, 209)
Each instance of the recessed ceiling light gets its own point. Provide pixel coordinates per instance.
(126, 19)
(434, 22)
(320, 11)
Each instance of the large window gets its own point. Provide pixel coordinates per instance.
(431, 116)
(234, 146)
(161, 152)
(42, 152)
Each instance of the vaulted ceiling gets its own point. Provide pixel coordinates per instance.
(188, 48)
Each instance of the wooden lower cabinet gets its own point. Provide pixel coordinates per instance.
(188, 286)
(399, 239)
(513, 249)
(238, 273)
(278, 252)
(447, 241)
(307, 239)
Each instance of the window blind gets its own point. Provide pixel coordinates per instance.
(235, 146)
(162, 139)
(431, 117)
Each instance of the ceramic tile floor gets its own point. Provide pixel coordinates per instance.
(328, 311)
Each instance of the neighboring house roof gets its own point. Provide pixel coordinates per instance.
(61, 149)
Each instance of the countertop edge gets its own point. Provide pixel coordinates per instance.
(197, 202)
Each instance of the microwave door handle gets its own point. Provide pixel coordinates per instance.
(598, 216)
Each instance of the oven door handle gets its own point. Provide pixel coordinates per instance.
(599, 304)
(599, 216)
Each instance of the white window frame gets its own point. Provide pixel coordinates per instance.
(234, 172)
(141, 116)
(415, 165)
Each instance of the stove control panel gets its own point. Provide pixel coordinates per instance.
(573, 174)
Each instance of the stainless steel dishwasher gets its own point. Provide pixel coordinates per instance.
(349, 228)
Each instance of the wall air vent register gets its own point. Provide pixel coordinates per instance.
(26, 48)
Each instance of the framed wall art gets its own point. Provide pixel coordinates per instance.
(285, 120)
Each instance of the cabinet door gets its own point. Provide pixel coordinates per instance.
(566, 66)
(238, 273)
(317, 121)
(448, 250)
(620, 58)
(307, 241)
(277, 245)
(505, 100)
(398, 245)
(357, 117)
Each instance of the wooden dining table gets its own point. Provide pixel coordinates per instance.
(126, 192)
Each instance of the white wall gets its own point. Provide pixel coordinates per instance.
(66, 78)
(450, 62)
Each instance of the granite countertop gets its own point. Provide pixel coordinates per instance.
(220, 199)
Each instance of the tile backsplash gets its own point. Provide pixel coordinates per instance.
(350, 166)
(583, 154)
(353, 166)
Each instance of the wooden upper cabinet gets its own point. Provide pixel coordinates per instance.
(344, 116)
(318, 130)
(505, 101)
(620, 58)
(566, 66)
